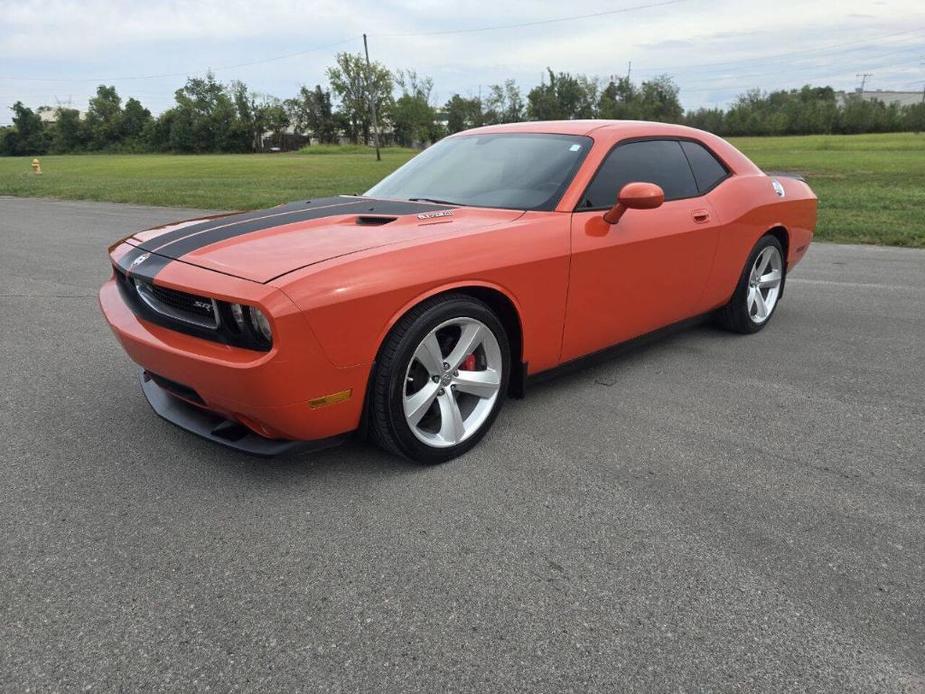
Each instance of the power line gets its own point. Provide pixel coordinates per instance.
(829, 75)
(802, 55)
(354, 38)
(823, 49)
(187, 72)
(789, 68)
(538, 22)
(869, 61)
(460, 31)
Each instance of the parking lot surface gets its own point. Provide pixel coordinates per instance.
(708, 512)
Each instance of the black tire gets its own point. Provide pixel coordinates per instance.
(388, 425)
(735, 315)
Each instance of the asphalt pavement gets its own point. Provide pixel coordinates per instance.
(708, 512)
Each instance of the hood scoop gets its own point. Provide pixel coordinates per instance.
(266, 244)
(372, 220)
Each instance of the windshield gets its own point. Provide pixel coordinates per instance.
(523, 171)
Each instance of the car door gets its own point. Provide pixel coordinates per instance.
(648, 270)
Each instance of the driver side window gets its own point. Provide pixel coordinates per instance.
(651, 161)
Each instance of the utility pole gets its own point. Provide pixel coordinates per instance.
(372, 101)
(629, 69)
(863, 77)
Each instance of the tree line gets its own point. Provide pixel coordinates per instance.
(209, 116)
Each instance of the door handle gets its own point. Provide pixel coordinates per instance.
(701, 216)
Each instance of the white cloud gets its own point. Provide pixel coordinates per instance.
(72, 42)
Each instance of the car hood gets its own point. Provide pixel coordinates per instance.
(265, 244)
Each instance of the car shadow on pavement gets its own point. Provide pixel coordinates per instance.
(359, 458)
(602, 367)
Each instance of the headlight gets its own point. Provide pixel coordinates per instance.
(239, 325)
(261, 324)
(238, 312)
(251, 319)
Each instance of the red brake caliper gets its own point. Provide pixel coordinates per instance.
(469, 363)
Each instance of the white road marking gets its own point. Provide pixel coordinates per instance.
(866, 285)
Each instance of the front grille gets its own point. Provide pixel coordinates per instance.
(188, 313)
(190, 308)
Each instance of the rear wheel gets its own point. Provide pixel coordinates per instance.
(758, 290)
(440, 379)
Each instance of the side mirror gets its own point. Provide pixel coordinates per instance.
(635, 196)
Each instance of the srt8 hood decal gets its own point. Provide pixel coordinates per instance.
(142, 264)
(177, 243)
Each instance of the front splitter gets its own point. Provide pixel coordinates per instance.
(222, 431)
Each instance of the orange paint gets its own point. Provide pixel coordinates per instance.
(332, 288)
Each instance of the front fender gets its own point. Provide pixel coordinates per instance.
(351, 304)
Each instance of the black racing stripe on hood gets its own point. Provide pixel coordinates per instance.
(279, 212)
(204, 234)
(142, 264)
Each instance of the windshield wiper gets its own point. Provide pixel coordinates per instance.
(433, 200)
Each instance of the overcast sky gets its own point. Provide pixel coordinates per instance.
(60, 50)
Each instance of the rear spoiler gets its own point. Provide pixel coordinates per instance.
(786, 174)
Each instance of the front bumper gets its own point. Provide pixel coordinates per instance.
(268, 392)
(222, 431)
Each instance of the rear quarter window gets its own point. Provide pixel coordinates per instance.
(708, 171)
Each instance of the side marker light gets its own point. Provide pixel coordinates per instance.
(331, 399)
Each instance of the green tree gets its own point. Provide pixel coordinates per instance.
(355, 84)
(860, 115)
(914, 118)
(135, 119)
(784, 112)
(814, 110)
(746, 115)
(251, 120)
(312, 114)
(658, 100)
(413, 118)
(103, 123)
(277, 120)
(565, 97)
(206, 119)
(618, 100)
(504, 104)
(463, 113)
(27, 136)
(67, 132)
(159, 132)
(710, 119)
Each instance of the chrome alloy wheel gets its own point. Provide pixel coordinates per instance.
(764, 282)
(452, 382)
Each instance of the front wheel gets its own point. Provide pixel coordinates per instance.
(758, 290)
(440, 379)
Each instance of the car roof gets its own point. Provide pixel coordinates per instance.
(606, 133)
(587, 126)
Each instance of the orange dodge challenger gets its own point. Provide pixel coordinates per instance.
(410, 312)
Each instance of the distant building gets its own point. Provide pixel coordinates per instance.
(887, 97)
(50, 115)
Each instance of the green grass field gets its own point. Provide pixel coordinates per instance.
(871, 187)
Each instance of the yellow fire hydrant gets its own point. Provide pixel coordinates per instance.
(36, 167)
